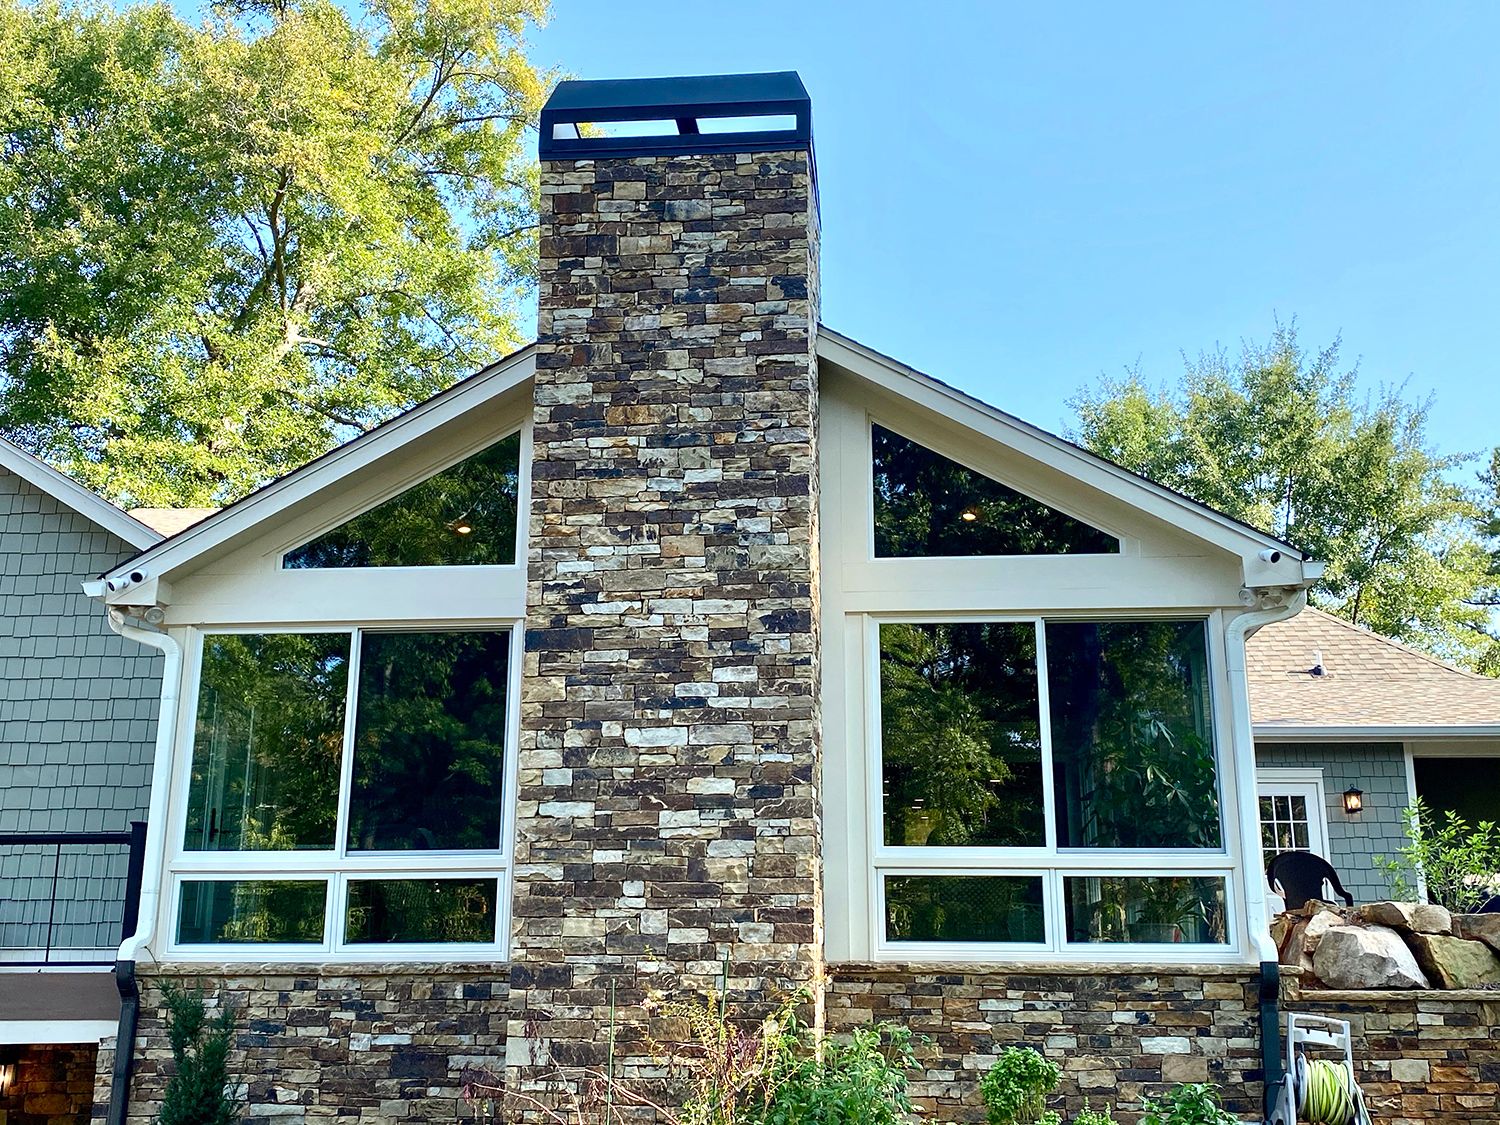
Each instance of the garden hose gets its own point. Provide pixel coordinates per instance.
(1326, 1093)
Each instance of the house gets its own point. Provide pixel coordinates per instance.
(77, 726)
(699, 642)
(1339, 709)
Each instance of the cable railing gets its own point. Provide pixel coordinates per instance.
(69, 898)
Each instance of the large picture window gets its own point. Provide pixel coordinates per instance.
(347, 789)
(1049, 784)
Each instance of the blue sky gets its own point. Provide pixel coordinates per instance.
(1020, 197)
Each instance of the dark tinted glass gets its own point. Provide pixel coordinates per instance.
(429, 741)
(1132, 734)
(421, 910)
(963, 908)
(252, 911)
(268, 742)
(462, 516)
(1158, 909)
(929, 506)
(960, 736)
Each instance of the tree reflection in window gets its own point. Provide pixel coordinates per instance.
(962, 908)
(429, 741)
(1132, 734)
(252, 911)
(960, 735)
(268, 742)
(927, 506)
(462, 516)
(421, 910)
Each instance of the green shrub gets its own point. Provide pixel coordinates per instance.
(859, 1079)
(1015, 1089)
(200, 1049)
(1187, 1104)
(1455, 861)
(1087, 1116)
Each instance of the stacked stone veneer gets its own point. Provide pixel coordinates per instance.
(53, 1085)
(1117, 1035)
(352, 1043)
(667, 803)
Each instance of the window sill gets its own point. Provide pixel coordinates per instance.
(1234, 965)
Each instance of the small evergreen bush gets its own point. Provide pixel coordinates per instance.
(1015, 1089)
(195, 1094)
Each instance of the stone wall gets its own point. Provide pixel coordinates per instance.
(667, 809)
(1117, 1035)
(360, 1043)
(54, 1085)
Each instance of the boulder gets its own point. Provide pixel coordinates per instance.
(1479, 927)
(1455, 963)
(1396, 914)
(1430, 918)
(1318, 925)
(1366, 957)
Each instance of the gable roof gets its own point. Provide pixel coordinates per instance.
(65, 490)
(1280, 564)
(1371, 684)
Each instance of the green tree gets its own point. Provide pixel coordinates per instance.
(1279, 437)
(226, 248)
(196, 1092)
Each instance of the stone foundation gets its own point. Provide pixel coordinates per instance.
(1117, 1035)
(54, 1085)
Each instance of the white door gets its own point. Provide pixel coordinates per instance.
(1293, 816)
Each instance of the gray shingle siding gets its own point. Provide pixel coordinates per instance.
(1378, 768)
(77, 714)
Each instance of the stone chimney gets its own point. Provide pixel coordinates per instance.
(668, 812)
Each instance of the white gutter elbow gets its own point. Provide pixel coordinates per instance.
(161, 771)
(1266, 606)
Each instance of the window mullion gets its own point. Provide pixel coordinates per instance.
(1044, 729)
(346, 759)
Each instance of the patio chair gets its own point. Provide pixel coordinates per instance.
(1299, 876)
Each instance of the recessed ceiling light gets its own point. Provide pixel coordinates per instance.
(969, 515)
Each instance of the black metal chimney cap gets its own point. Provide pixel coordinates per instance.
(683, 101)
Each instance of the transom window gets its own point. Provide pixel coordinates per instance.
(1049, 783)
(346, 789)
(927, 505)
(462, 516)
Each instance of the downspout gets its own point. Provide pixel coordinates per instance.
(1267, 605)
(156, 822)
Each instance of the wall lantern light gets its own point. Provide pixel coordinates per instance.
(1354, 800)
(8, 1057)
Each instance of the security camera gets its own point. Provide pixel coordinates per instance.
(1270, 555)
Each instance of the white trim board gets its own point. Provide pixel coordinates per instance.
(1281, 732)
(55, 1031)
(65, 490)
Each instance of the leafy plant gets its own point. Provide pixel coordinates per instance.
(861, 1079)
(1187, 1104)
(195, 1094)
(1015, 1088)
(1087, 1116)
(1456, 862)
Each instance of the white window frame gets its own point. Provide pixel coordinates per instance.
(1052, 863)
(1299, 781)
(337, 866)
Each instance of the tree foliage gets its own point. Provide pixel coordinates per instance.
(196, 1092)
(225, 248)
(1279, 437)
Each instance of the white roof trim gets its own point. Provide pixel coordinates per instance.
(65, 490)
(1288, 732)
(316, 475)
(1189, 515)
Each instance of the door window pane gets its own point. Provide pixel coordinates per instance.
(960, 735)
(252, 911)
(268, 742)
(462, 516)
(1132, 735)
(929, 506)
(963, 908)
(429, 741)
(1154, 909)
(421, 910)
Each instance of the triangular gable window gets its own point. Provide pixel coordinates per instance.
(927, 506)
(462, 516)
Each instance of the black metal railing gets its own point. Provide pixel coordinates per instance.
(69, 898)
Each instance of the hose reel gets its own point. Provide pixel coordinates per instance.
(1319, 1091)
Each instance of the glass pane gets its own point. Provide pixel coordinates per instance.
(1181, 909)
(960, 735)
(1266, 809)
(462, 516)
(421, 910)
(429, 741)
(1299, 837)
(268, 742)
(1297, 810)
(1132, 734)
(929, 506)
(252, 911)
(963, 908)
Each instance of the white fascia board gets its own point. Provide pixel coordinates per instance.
(334, 466)
(1198, 520)
(65, 490)
(1285, 732)
(36, 1032)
